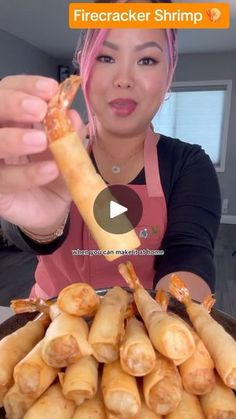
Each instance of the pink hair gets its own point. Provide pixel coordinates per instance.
(92, 44)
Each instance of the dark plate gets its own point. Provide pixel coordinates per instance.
(19, 320)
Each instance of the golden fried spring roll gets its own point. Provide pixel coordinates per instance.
(52, 404)
(162, 387)
(32, 374)
(15, 346)
(4, 390)
(91, 409)
(220, 344)
(216, 339)
(65, 341)
(17, 403)
(137, 355)
(188, 408)
(78, 299)
(80, 176)
(108, 325)
(120, 392)
(80, 380)
(54, 311)
(197, 372)
(168, 335)
(220, 403)
(146, 413)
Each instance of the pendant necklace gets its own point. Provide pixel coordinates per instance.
(116, 169)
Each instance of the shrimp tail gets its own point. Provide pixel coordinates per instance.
(30, 305)
(56, 122)
(162, 299)
(179, 290)
(209, 302)
(129, 275)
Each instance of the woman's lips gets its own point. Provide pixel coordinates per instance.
(123, 107)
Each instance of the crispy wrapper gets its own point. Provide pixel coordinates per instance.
(168, 334)
(146, 413)
(197, 372)
(76, 166)
(91, 409)
(52, 404)
(32, 374)
(78, 299)
(120, 392)
(220, 403)
(4, 390)
(221, 345)
(65, 341)
(15, 346)
(108, 325)
(80, 380)
(16, 403)
(137, 355)
(188, 408)
(162, 387)
(54, 311)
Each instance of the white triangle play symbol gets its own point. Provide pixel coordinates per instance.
(116, 209)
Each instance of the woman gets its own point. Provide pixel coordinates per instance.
(125, 74)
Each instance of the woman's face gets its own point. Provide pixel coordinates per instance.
(128, 80)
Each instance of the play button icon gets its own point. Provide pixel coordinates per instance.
(118, 209)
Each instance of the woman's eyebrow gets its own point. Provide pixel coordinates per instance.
(148, 45)
(138, 48)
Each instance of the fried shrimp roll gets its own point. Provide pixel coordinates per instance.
(108, 325)
(78, 299)
(120, 392)
(52, 404)
(162, 387)
(32, 374)
(168, 334)
(80, 380)
(188, 408)
(65, 341)
(215, 338)
(14, 347)
(220, 403)
(137, 355)
(80, 176)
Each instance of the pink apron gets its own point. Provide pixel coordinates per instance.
(64, 267)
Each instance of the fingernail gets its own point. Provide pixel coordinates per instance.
(48, 169)
(35, 139)
(32, 106)
(46, 85)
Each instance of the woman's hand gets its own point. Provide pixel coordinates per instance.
(32, 193)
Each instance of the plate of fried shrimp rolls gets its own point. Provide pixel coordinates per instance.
(118, 353)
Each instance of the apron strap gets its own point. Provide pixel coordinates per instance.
(151, 165)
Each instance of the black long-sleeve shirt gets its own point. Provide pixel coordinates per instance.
(193, 201)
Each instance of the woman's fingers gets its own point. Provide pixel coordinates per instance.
(19, 142)
(21, 107)
(20, 177)
(24, 98)
(43, 87)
